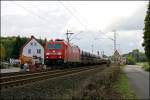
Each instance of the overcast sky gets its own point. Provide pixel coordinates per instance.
(92, 22)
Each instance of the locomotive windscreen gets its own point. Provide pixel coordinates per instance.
(54, 46)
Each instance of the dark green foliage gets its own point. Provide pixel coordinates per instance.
(42, 42)
(146, 67)
(12, 46)
(146, 36)
(2, 52)
(17, 46)
(130, 60)
(136, 55)
(8, 43)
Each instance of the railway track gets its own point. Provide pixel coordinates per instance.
(21, 79)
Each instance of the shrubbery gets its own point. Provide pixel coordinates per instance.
(98, 87)
(131, 60)
(146, 67)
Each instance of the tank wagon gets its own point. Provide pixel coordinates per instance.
(60, 52)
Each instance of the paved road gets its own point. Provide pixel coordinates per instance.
(9, 70)
(138, 81)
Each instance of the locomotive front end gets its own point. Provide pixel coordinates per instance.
(54, 53)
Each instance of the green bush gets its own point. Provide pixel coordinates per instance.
(131, 60)
(146, 67)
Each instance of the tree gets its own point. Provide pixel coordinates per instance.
(45, 40)
(17, 46)
(146, 36)
(2, 52)
(131, 60)
(135, 55)
(142, 57)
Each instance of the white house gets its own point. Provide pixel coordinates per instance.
(33, 48)
(118, 59)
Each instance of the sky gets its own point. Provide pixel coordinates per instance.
(92, 22)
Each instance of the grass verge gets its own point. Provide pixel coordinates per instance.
(144, 65)
(98, 87)
(121, 86)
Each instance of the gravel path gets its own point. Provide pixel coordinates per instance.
(138, 81)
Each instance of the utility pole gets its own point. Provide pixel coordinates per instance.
(68, 37)
(92, 48)
(114, 45)
(114, 41)
(102, 53)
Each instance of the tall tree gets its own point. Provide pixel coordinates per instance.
(146, 36)
(45, 40)
(17, 46)
(2, 52)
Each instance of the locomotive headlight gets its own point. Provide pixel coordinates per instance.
(59, 53)
(59, 57)
(48, 53)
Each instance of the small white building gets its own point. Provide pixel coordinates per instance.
(33, 48)
(118, 59)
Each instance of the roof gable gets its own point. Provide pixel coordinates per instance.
(29, 40)
(116, 53)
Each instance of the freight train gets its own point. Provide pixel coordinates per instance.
(60, 52)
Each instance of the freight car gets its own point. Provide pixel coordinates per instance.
(60, 52)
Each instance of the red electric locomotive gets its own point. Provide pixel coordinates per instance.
(61, 52)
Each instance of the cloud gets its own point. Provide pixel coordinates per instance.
(25, 24)
(133, 22)
(55, 19)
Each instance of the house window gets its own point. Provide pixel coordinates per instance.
(29, 51)
(31, 43)
(39, 51)
(35, 44)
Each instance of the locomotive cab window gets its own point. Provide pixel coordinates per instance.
(54, 46)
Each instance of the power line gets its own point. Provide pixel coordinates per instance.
(31, 12)
(77, 12)
(72, 14)
(107, 36)
(68, 37)
(85, 24)
(114, 41)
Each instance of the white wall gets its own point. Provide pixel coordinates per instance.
(33, 48)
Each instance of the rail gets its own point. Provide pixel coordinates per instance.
(17, 80)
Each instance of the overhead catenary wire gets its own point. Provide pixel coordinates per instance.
(69, 11)
(107, 36)
(72, 14)
(85, 22)
(32, 12)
